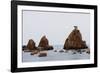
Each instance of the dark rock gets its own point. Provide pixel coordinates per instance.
(48, 48)
(79, 50)
(31, 45)
(55, 50)
(44, 44)
(74, 40)
(83, 50)
(24, 47)
(61, 51)
(74, 52)
(88, 51)
(42, 54)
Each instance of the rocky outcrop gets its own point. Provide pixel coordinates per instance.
(24, 47)
(31, 45)
(74, 40)
(61, 51)
(44, 44)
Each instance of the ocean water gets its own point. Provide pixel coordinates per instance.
(55, 56)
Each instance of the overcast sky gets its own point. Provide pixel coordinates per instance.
(55, 25)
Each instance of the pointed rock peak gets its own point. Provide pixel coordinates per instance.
(31, 45)
(31, 41)
(43, 42)
(43, 38)
(74, 40)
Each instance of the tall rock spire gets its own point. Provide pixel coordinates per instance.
(74, 40)
(44, 44)
(31, 45)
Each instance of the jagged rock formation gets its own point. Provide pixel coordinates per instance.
(44, 44)
(74, 40)
(24, 47)
(31, 45)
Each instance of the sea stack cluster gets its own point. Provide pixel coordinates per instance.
(43, 46)
(74, 40)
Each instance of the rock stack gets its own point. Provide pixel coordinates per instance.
(31, 45)
(74, 40)
(44, 44)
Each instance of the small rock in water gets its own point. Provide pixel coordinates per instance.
(42, 54)
(24, 47)
(88, 51)
(80, 52)
(83, 50)
(61, 51)
(55, 50)
(74, 52)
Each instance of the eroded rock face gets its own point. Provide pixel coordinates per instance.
(31, 45)
(74, 40)
(44, 44)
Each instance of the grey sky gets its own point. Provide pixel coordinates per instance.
(55, 25)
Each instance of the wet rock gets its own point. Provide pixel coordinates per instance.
(88, 51)
(24, 47)
(83, 50)
(74, 52)
(42, 54)
(48, 48)
(74, 40)
(78, 50)
(61, 51)
(43, 42)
